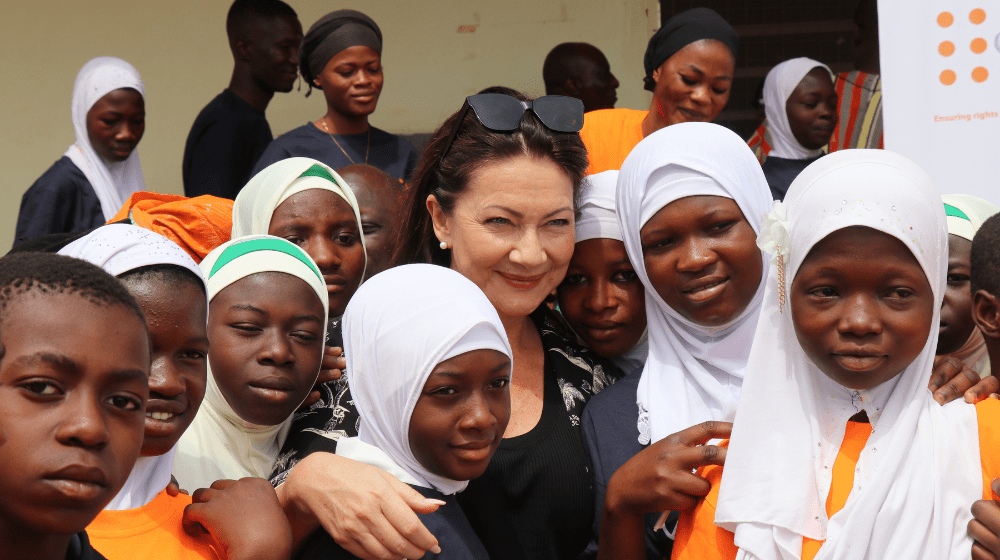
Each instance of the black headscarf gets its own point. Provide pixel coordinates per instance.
(682, 30)
(333, 33)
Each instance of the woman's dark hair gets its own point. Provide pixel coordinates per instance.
(474, 147)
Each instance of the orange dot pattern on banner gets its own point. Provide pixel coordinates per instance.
(977, 16)
(980, 74)
(978, 45)
(945, 19)
(947, 77)
(946, 48)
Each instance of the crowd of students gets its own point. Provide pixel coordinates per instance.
(780, 348)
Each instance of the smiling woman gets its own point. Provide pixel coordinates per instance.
(342, 56)
(88, 185)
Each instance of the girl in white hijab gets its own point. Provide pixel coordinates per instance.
(267, 334)
(60, 200)
(800, 104)
(694, 372)
(431, 381)
(120, 249)
(790, 487)
(601, 292)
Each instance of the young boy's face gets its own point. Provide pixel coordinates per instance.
(73, 390)
(956, 310)
(266, 332)
(602, 298)
(861, 306)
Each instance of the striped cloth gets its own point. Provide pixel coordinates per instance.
(860, 123)
(760, 142)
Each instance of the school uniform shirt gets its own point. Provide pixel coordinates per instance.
(780, 172)
(539, 486)
(62, 200)
(226, 140)
(609, 135)
(698, 538)
(448, 524)
(81, 549)
(612, 438)
(388, 152)
(150, 532)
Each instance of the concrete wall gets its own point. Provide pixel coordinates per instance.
(436, 52)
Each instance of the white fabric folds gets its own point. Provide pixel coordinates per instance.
(693, 373)
(920, 470)
(113, 182)
(779, 84)
(597, 208)
(392, 341)
(120, 248)
(276, 183)
(219, 444)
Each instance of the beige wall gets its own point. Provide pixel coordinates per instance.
(180, 49)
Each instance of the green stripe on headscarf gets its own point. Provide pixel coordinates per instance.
(238, 250)
(950, 210)
(319, 171)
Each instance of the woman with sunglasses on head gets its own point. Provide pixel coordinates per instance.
(494, 199)
(689, 68)
(342, 56)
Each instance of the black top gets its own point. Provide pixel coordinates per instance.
(448, 524)
(226, 140)
(780, 173)
(612, 438)
(80, 548)
(539, 485)
(62, 200)
(388, 152)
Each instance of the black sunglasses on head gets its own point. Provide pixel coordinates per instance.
(503, 113)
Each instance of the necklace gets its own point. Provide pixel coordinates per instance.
(368, 144)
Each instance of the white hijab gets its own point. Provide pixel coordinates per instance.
(779, 84)
(693, 373)
(966, 214)
(920, 469)
(219, 444)
(119, 248)
(598, 220)
(393, 341)
(113, 182)
(276, 183)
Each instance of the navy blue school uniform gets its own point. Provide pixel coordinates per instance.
(612, 438)
(226, 140)
(780, 173)
(388, 152)
(80, 548)
(448, 524)
(62, 200)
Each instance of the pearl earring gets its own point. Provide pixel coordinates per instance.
(444, 246)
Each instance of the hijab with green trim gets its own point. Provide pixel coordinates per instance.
(219, 444)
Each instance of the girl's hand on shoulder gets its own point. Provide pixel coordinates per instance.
(951, 379)
(661, 477)
(332, 368)
(985, 527)
(243, 516)
(364, 509)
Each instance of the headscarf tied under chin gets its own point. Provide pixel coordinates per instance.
(219, 443)
(120, 248)
(682, 30)
(779, 84)
(920, 468)
(693, 372)
(333, 33)
(393, 341)
(113, 182)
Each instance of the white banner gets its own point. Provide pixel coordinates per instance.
(940, 65)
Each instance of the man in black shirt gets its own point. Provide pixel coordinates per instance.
(231, 132)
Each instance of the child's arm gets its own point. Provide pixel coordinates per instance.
(658, 478)
(244, 517)
(985, 527)
(364, 509)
